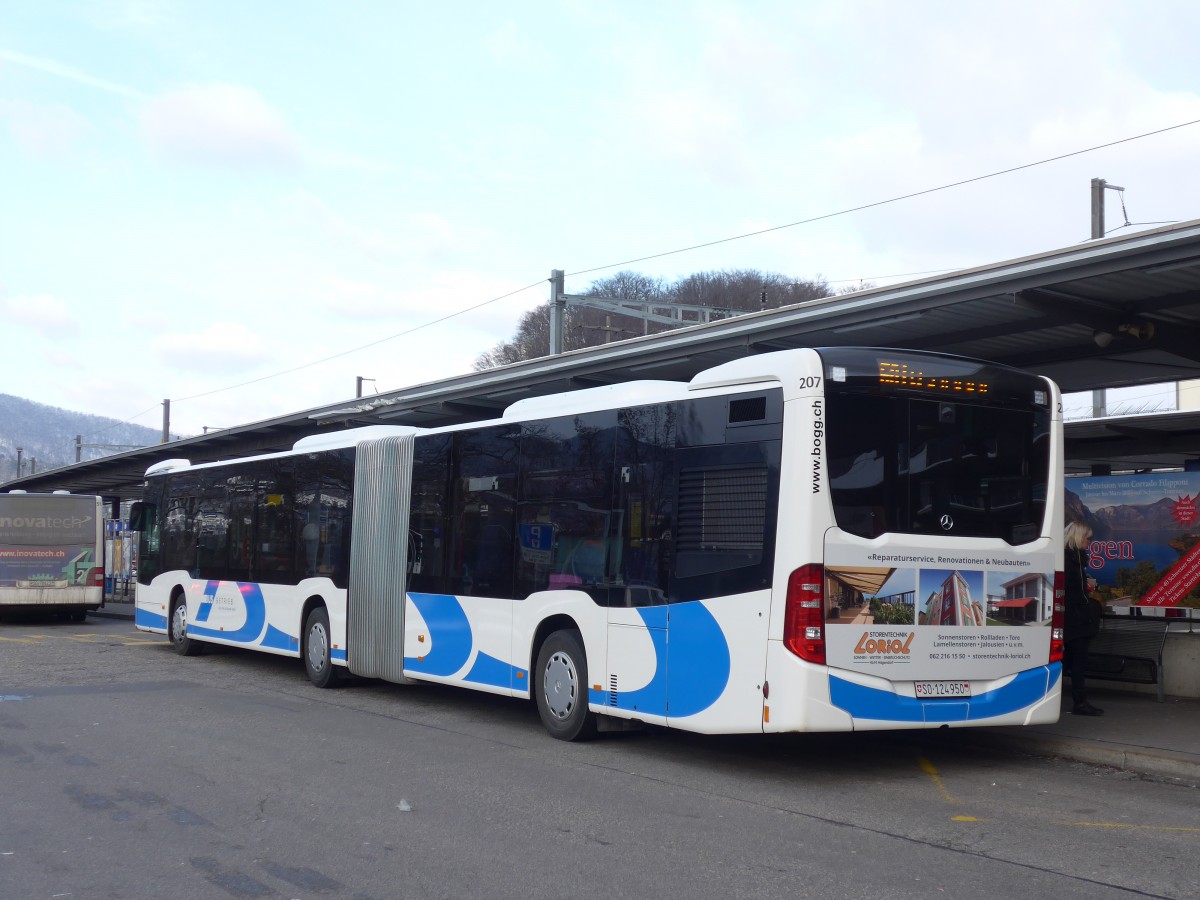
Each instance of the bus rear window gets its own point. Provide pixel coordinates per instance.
(937, 466)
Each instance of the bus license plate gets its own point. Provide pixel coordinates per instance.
(931, 690)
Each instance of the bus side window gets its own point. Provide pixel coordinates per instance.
(179, 524)
(212, 527)
(646, 484)
(416, 552)
(240, 492)
(726, 515)
(567, 533)
(321, 506)
(144, 514)
(429, 512)
(274, 523)
(483, 512)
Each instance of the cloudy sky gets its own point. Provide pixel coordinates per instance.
(244, 206)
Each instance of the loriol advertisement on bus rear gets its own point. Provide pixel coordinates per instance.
(910, 614)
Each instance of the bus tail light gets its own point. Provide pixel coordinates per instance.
(98, 576)
(1056, 617)
(804, 615)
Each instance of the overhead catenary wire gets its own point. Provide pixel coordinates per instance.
(129, 421)
(326, 359)
(1127, 223)
(897, 199)
(659, 255)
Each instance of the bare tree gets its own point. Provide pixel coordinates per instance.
(594, 326)
(744, 289)
(738, 290)
(531, 341)
(629, 285)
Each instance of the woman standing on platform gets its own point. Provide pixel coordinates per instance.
(1077, 618)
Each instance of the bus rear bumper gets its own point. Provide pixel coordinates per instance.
(807, 697)
(91, 597)
(1027, 698)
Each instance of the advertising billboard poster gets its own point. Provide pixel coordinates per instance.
(919, 613)
(47, 541)
(58, 566)
(1145, 547)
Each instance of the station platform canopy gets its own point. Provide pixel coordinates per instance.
(1108, 313)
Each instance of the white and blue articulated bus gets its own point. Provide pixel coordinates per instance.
(809, 540)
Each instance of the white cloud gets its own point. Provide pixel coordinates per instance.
(419, 236)
(139, 13)
(508, 45)
(429, 182)
(220, 125)
(69, 73)
(223, 347)
(43, 314)
(43, 130)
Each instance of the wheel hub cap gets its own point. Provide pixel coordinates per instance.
(562, 685)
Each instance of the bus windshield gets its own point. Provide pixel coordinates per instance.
(936, 449)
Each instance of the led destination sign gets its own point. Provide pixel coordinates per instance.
(937, 377)
(899, 374)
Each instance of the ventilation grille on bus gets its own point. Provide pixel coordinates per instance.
(612, 690)
(722, 508)
(747, 409)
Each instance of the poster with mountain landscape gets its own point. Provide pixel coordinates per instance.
(1145, 546)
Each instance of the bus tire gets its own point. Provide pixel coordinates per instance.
(561, 688)
(318, 662)
(177, 629)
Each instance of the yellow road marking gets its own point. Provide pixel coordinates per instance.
(931, 770)
(1134, 827)
(95, 638)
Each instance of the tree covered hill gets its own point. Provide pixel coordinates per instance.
(732, 290)
(46, 434)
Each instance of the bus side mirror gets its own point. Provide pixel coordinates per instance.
(137, 516)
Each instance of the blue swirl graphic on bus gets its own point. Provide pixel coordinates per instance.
(279, 640)
(494, 672)
(698, 662)
(253, 604)
(206, 605)
(449, 635)
(143, 618)
(868, 703)
(651, 698)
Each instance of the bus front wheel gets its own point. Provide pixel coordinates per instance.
(177, 630)
(561, 688)
(318, 664)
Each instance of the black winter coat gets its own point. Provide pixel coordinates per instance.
(1078, 619)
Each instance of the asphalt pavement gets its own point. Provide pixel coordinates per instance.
(1136, 733)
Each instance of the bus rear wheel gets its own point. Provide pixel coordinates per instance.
(561, 688)
(318, 661)
(177, 629)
